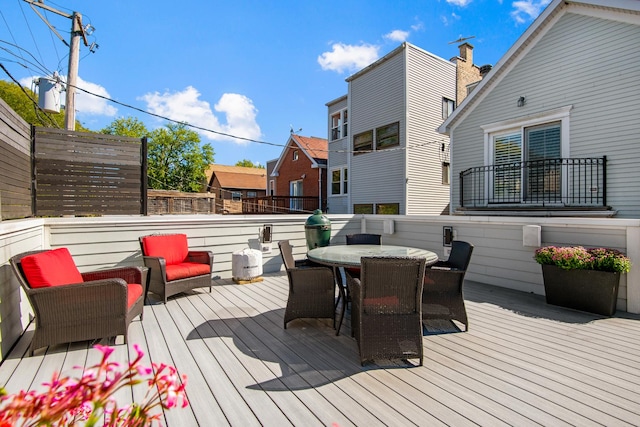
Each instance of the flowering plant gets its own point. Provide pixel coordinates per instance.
(580, 258)
(89, 399)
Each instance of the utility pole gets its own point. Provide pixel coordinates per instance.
(77, 31)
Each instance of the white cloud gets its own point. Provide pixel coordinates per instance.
(449, 21)
(346, 57)
(86, 104)
(461, 3)
(93, 105)
(397, 35)
(186, 106)
(527, 10)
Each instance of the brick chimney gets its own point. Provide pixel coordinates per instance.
(466, 72)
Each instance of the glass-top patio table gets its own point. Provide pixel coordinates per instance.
(350, 255)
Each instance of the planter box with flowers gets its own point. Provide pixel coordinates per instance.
(582, 279)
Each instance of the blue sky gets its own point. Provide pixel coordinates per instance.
(252, 69)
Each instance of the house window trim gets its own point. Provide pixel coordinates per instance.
(364, 150)
(561, 114)
(343, 187)
(519, 124)
(377, 136)
(446, 103)
(340, 130)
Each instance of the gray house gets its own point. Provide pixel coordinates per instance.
(385, 154)
(553, 128)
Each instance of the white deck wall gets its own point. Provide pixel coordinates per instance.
(499, 257)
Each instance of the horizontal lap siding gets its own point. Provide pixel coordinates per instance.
(377, 99)
(429, 79)
(83, 173)
(15, 165)
(15, 310)
(586, 62)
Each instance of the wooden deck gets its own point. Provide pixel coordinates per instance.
(521, 363)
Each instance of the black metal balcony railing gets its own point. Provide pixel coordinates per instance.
(279, 204)
(557, 183)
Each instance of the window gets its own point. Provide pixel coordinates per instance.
(295, 155)
(345, 124)
(387, 136)
(363, 209)
(380, 208)
(345, 181)
(339, 181)
(335, 126)
(448, 106)
(524, 158)
(363, 142)
(339, 125)
(272, 187)
(446, 173)
(236, 196)
(252, 194)
(388, 208)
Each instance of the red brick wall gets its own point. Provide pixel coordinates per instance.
(292, 170)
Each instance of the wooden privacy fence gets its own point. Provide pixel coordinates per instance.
(15, 165)
(78, 173)
(177, 202)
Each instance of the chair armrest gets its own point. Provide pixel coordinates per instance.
(200, 257)
(92, 299)
(131, 274)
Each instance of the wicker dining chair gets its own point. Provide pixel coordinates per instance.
(71, 306)
(363, 239)
(442, 295)
(311, 288)
(386, 308)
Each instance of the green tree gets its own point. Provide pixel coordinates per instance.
(177, 160)
(25, 103)
(249, 164)
(126, 126)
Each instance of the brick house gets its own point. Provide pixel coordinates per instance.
(301, 170)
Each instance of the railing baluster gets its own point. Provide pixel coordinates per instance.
(561, 183)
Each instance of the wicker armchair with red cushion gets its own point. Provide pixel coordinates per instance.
(71, 306)
(174, 268)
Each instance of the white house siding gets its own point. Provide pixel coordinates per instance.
(377, 98)
(338, 158)
(15, 311)
(582, 61)
(429, 79)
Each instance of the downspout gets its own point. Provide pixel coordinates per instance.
(319, 188)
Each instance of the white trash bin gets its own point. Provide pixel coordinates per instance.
(246, 266)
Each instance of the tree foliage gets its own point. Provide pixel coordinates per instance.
(126, 126)
(249, 164)
(176, 159)
(25, 103)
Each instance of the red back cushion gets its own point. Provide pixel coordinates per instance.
(50, 268)
(172, 247)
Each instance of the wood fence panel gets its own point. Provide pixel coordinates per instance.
(79, 173)
(15, 165)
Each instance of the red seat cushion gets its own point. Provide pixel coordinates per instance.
(50, 268)
(134, 291)
(172, 247)
(186, 269)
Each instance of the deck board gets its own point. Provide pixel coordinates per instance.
(522, 362)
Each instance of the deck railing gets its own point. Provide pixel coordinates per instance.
(279, 204)
(557, 183)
